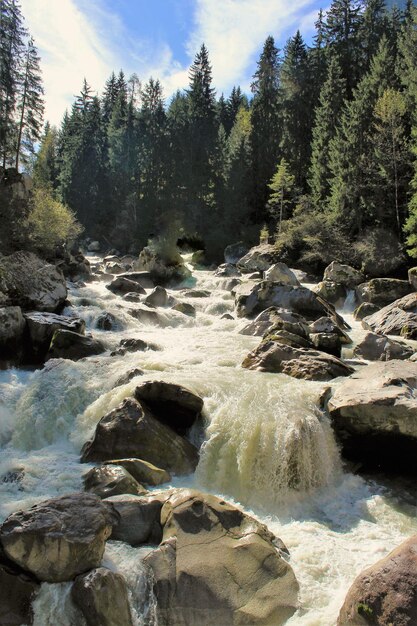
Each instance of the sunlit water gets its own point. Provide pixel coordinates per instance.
(266, 446)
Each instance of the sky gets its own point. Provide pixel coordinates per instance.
(159, 38)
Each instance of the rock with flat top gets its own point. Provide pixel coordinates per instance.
(375, 347)
(383, 291)
(398, 318)
(111, 480)
(259, 259)
(66, 344)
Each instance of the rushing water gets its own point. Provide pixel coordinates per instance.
(266, 446)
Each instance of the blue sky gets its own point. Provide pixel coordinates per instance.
(158, 38)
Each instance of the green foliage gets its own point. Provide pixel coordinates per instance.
(50, 223)
(282, 187)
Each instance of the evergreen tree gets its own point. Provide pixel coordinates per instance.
(233, 104)
(30, 105)
(282, 187)
(45, 171)
(317, 58)
(327, 117)
(266, 124)
(373, 26)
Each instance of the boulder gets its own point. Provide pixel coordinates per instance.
(31, 283)
(385, 594)
(383, 291)
(122, 285)
(331, 291)
(412, 278)
(66, 344)
(106, 321)
(158, 297)
(197, 293)
(374, 415)
(163, 270)
(281, 273)
(130, 430)
(375, 347)
(111, 480)
(128, 376)
(130, 296)
(94, 246)
(143, 279)
(273, 318)
(365, 309)
(327, 325)
(398, 318)
(59, 538)
(216, 565)
(133, 345)
(343, 275)
(146, 316)
(139, 518)
(114, 268)
(17, 591)
(235, 251)
(73, 264)
(226, 270)
(277, 357)
(171, 404)
(12, 326)
(101, 595)
(259, 259)
(185, 308)
(327, 342)
(143, 471)
(42, 326)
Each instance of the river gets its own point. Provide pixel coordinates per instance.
(265, 446)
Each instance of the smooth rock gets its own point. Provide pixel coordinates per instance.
(163, 271)
(106, 321)
(139, 518)
(196, 293)
(130, 296)
(146, 316)
(217, 565)
(227, 270)
(385, 594)
(143, 471)
(365, 309)
(259, 259)
(131, 431)
(143, 279)
(122, 285)
(375, 347)
(374, 414)
(59, 538)
(68, 345)
(275, 317)
(331, 291)
(158, 297)
(171, 404)
(111, 480)
(101, 595)
(328, 325)
(343, 274)
(133, 345)
(383, 291)
(327, 342)
(128, 376)
(185, 308)
(398, 318)
(272, 356)
(281, 273)
(41, 327)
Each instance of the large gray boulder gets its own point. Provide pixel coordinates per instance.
(171, 404)
(142, 278)
(31, 283)
(66, 344)
(164, 270)
(383, 291)
(139, 517)
(235, 251)
(17, 591)
(281, 273)
(158, 297)
(259, 259)
(101, 595)
(122, 285)
(343, 275)
(145, 315)
(275, 356)
(41, 327)
(216, 565)
(131, 430)
(375, 347)
(60, 538)
(275, 317)
(111, 480)
(398, 318)
(385, 594)
(144, 472)
(226, 270)
(12, 326)
(331, 291)
(374, 414)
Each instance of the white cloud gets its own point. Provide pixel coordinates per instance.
(234, 31)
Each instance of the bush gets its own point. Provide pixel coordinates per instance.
(50, 223)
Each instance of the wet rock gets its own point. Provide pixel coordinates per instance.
(281, 273)
(385, 594)
(217, 565)
(101, 595)
(12, 326)
(114, 268)
(398, 318)
(146, 316)
(227, 316)
(128, 376)
(132, 297)
(31, 283)
(274, 318)
(273, 356)
(130, 430)
(15, 476)
(134, 345)
(111, 480)
(374, 414)
(68, 345)
(163, 271)
(185, 308)
(122, 285)
(259, 259)
(327, 342)
(235, 251)
(227, 270)
(343, 274)
(106, 321)
(143, 279)
(327, 325)
(59, 538)
(144, 472)
(73, 264)
(375, 347)
(139, 518)
(94, 246)
(42, 326)
(158, 297)
(197, 293)
(383, 291)
(365, 309)
(171, 404)
(17, 591)
(331, 291)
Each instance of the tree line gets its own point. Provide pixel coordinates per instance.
(321, 155)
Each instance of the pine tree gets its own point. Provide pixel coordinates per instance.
(233, 104)
(238, 202)
(373, 26)
(282, 187)
(266, 124)
(45, 171)
(30, 105)
(317, 58)
(327, 117)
